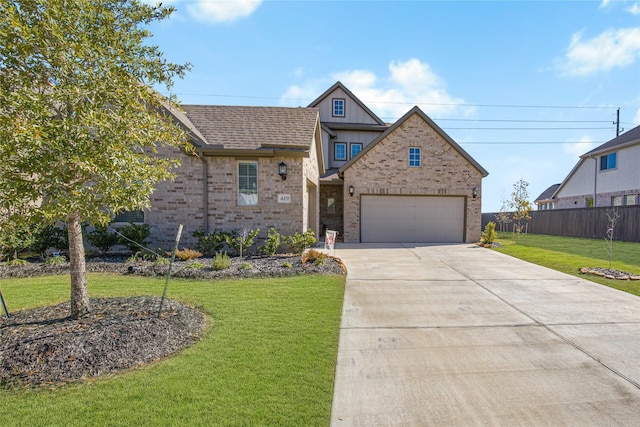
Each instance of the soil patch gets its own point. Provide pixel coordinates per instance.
(44, 346)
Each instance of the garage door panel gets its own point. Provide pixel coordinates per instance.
(412, 219)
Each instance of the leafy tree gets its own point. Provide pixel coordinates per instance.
(521, 206)
(79, 122)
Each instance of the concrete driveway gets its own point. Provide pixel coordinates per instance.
(460, 335)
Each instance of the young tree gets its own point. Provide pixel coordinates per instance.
(79, 122)
(503, 217)
(612, 220)
(520, 205)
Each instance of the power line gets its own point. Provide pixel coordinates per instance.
(529, 142)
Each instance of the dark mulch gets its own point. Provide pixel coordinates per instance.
(44, 346)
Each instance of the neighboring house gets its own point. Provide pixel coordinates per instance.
(406, 182)
(235, 180)
(608, 175)
(545, 200)
(347, 170)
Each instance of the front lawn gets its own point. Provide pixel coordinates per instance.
(568, 254)
(268, 357)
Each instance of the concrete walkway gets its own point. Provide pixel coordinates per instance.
(459, 335)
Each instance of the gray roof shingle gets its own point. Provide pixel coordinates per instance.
(629, 137)
(546, 194)
(251, 128)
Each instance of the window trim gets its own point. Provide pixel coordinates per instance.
(333, 107)
(412, 158)
(605, 161)
(331, 205)
(352, 145)
(239, 199)
(335, 151)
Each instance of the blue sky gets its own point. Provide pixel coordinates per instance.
(524, 86)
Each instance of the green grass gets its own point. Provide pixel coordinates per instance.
(568, 254)
(268, 357)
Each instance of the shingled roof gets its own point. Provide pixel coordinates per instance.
(251, 128)
(548, 193)
(628, 138)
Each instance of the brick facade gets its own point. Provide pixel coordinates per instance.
(384, 170)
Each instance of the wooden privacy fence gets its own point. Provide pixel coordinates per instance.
(586, 222)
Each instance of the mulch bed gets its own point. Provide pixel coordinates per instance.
(608, 273)
(43, 346)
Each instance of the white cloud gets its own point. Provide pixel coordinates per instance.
(408, 83)
(216, 11)
(612, 48)
(584, 145)
(605, 3)
(634, 9)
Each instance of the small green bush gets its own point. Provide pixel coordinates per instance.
(246, 266)
(50, 236)
(102, 238)
(56, 260)
(146, 255)
(299, 242)
(489, 234)
(16, 262)
(241, 240)
(161, 261)
(134, 236)
(287, 264)
(186, 254)
(210, 243)
(196, 265)
(272, 243)
(220, 261)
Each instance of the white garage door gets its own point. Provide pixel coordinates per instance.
(411, 219)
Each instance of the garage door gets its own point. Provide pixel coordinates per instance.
(411, 219)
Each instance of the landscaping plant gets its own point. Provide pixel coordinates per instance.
(102, 238)
(186, 254)
(272, 243)
(241, 240)
(220, 261)
(134, 237)
(489, 234)
(299, 242)
(210, 243)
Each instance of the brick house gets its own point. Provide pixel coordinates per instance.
(347, 170)
(405, 182)
(235, 180)
(608, 175)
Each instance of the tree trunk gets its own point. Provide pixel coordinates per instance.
(79, 297)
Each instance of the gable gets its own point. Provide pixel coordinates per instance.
(416, 129)
(355, 111)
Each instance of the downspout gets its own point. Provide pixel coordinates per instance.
(595, 181)
(205, 193)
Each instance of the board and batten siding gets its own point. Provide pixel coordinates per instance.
(353, 112)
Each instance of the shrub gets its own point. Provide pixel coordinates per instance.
(15, 238)
(210, 243)
(287, 264)
(246, 266)
(56, 260)
(299, 242)
(272, 243)
(220, 261)
(161, 261)
(50, 236)
(134, 236)
(146, 255)
(196, 265)
(241, 240)
(186, 254)
(489, 234)
(314, 257)
(102, 238)
(16, 262)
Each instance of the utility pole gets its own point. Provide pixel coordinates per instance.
(617, 123)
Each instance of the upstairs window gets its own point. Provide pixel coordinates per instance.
(414, 157)
(608, 162)
(134, 216)
(247, 184)
(338, 107)
(340, 151)
(355, 149)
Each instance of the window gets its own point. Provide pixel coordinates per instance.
(340, 151)
(355, 149)
(608, 162)
(136, 215)
(616, 201)
(247, 184)
(631, 200)
(331, 205)
(338, 107)
(414, 157)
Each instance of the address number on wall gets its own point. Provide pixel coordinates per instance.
(284, 198)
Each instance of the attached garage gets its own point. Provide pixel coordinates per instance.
(412, 219)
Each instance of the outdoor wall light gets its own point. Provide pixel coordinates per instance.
(351, 190)
(475, 192)
(282, 170)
